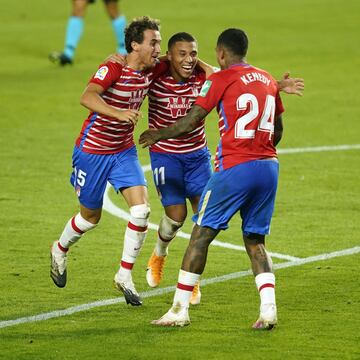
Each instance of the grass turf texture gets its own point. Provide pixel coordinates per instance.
(316, 210)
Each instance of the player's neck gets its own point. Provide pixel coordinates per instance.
(235, 61)
(134, 62)
(177, 77)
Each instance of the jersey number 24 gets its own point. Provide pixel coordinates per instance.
(266, 122)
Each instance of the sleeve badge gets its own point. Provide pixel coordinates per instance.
(101, 73)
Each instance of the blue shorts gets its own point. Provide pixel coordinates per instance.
(91, 172)
(180, 176)
(249, 188)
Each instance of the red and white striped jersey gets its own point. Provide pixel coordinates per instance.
(169, 101)
(124, 88)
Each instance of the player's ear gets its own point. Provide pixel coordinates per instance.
(221, 54)
(135, 45)
(168, 55)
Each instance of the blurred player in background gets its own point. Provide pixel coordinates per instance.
(246, 171)
(75, 27)
(105, 151)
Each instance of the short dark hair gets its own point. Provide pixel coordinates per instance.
(234, 40)
(180, 36)
(135, 30)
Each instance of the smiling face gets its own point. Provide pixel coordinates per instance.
(149, 50)
(183, 56)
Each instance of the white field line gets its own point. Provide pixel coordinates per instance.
(161, 291)
(319, 149)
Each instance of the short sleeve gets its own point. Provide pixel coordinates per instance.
(107, 74)
(211, 92)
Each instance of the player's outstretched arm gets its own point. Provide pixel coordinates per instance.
(92, 100)
(183, 126)
(291, 85)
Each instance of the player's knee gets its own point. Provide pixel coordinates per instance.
(253, 238)
(92, 216)
(84, 224)
(140, 214)
(201, 237)
(169, 227)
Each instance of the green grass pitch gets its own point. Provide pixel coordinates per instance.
(317, 208)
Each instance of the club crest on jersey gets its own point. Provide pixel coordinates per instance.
(179, 106)
(205, 88)
(101, 73)
(78, 190)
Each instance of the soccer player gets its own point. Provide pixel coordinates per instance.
(75, 28)
(246, 171)
(181, 167)
(105, 151)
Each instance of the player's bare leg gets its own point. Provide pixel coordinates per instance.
(136, 198)
(265, 280)
(84, 221)
(112, 9)
(196, 253)
(192, 267)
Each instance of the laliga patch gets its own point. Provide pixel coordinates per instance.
(205, 88)
(101, 73)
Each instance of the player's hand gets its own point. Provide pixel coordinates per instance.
(117, 58)
(291, 85)
(129, 116)
(149, 137)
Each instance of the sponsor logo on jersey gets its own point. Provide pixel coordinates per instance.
(101, 73)
(205, 88)
(137, 96)
(179, 106)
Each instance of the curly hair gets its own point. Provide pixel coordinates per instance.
(135, 30)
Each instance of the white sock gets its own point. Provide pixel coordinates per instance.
(167, 231)
(73, 231)
(265, 283)
(134, 238)
(184, 288)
